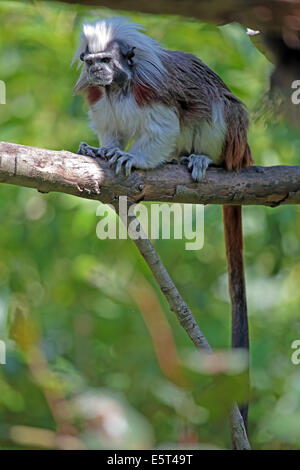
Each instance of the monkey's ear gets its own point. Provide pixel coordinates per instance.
(130, 56)
(128, 53)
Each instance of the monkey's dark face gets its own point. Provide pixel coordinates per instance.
(112, 66)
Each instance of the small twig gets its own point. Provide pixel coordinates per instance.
(183, 313)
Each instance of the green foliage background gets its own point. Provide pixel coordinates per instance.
(70, 294)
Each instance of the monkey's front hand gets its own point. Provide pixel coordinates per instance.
(114, 154)
(120, 158)
(85, 149)
(103, 152)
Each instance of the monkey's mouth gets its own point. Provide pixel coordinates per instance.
(100, 79)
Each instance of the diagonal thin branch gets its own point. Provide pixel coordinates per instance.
(183, 314)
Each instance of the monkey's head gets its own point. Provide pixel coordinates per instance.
(110, 66)
(114, 52)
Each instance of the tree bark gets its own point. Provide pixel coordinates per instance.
(62, 171)
(257, 15)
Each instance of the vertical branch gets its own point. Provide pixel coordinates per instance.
(181, 310)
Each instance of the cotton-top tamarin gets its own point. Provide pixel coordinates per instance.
(170, 105)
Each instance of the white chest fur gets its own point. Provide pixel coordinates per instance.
(119, 118)
(119, 115)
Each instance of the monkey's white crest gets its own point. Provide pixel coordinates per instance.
(98, 34)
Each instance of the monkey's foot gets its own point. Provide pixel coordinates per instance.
(197, 164)
(121, 158)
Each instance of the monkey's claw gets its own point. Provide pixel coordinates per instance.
(95, 152)
(121, 159)
(198, 165)
(107, 152)
(85, 149)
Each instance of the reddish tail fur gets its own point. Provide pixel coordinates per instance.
(237, 155)
(232, 216)
(236, 152)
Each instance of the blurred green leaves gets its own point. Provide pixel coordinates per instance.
(73, 298)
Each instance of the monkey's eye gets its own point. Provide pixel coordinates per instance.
(106, 60)
(81, 57)
(89, 62)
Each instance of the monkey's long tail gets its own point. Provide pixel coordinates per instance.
(232, 216)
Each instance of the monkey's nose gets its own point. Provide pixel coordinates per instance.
(95, 68)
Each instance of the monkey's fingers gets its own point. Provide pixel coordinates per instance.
(128, 167)
(102, 152)
(198, 165)
(117, 154)
(121, 159)
(110, 151)
(85, 149)
(120, 162)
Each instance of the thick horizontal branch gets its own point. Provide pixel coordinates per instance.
(62, 171)
(246, 12)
